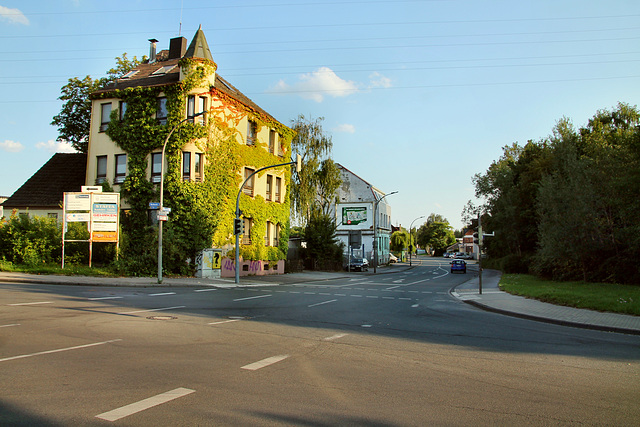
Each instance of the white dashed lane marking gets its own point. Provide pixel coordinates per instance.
(40, 353)
(31, 303)
(142, 405)
(152, 309)
(259, 296)
(322, 303)
(264, 362)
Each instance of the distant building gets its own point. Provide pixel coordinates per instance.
(42, 194)
(354, 212)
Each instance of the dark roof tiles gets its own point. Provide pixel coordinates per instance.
(64, 172)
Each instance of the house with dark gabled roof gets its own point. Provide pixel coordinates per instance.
(214, 136)
(42, 194)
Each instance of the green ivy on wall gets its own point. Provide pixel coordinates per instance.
(202, 212)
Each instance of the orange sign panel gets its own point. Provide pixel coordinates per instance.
(104, 236)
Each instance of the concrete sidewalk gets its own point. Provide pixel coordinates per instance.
(493, 299)
(168, 282)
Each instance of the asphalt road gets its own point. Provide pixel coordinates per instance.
(385, 350)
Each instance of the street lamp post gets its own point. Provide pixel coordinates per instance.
(375, 230)
(164, 147)
(410, 227)
(298, 164)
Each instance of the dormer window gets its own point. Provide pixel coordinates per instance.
(163, 70)
(130, 74)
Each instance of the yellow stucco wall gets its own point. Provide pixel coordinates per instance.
(101, 145)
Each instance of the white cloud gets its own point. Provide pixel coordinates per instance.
(318, 84)
(345, 128)
(55, 147)
(11, 146)
(378, 80)
(15, 16)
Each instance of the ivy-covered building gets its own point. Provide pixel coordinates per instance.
(207, 158)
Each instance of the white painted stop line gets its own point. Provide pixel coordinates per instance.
(133, 408)
(265, 362)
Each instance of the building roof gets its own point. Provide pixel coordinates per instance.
(64, 172)
(374, 190)
(199, 48)
(165, 72)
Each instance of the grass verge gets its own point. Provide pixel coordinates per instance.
(623, 299)
(69, 270)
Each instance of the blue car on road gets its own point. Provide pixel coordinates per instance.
(458, 265)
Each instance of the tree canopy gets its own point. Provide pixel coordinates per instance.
(566, 206)
(73, 121)
(315, 186)
(436, 234)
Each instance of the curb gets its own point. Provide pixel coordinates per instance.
(601, 328)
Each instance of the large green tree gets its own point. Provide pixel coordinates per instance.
(436, 234)
(566, 206)
(318, 181)
(588, 205)
(73, 121)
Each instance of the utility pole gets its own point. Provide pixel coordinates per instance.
(410, 235)
(375, 229)
(480, 253)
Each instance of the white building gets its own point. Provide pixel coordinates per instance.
(354, 210)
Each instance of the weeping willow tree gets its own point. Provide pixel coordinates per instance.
(315, 186)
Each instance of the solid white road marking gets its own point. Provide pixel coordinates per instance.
(31, 303)
(393, 287)
(13, 324)
(40, 353)
(265, 362)
(205, 290)
(133, 408)
(324, 302)
(224, 321)
(259, 296)
(101, 298)
(335, 337)
(162, 294)
(153, 309)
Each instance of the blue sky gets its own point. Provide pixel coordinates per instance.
(418, 96)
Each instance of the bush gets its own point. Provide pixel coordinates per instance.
(510, 264)
(30, 241)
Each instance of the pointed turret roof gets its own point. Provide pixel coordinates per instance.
(199, 48)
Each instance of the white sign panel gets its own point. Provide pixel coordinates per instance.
(105, 226)
(77, 202)
(105, 198)
(78, 217)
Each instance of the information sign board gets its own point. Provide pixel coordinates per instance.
(354, 216)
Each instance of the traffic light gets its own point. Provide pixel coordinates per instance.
(476, 239)
(238, 226)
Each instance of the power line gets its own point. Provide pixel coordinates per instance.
(343, 40)
(413, 87)
(353, 24)
(400, 66)
(333, 48)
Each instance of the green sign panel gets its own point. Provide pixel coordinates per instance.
(354, 216)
